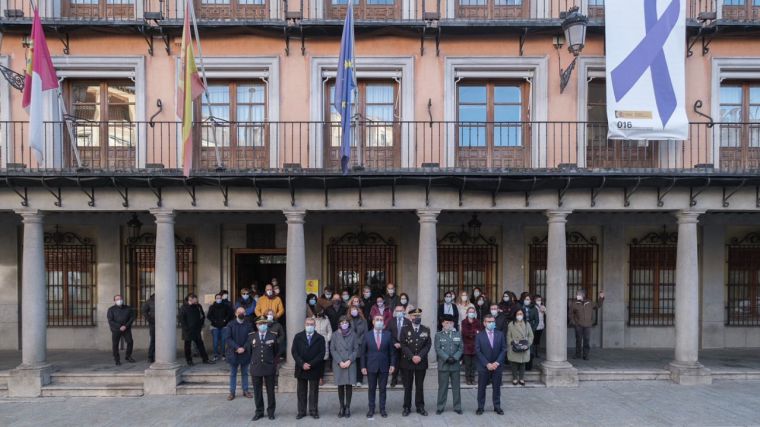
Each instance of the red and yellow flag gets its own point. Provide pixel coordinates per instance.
(189, 88)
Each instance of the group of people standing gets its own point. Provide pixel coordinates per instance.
(377, 337)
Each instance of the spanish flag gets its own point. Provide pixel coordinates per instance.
(189, 88)
(39, 77)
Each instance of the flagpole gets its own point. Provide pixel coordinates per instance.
(217, 154)
(67, 125)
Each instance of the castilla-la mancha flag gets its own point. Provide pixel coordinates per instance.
(190, 87)
(39, 77)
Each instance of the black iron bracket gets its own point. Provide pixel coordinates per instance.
(523, 38)
(90, 194)
(24, 197)
(422, 40)
(595, 191)
(495, 192)
(461, 190)
(430, 112)
(662, 193)
(527, 193)
(628, 193)
(693, 195)
(156, 191)
(257, 189)
(360, 191)
(427, 192)
(190, 191)
(287, 40)
(706, 44)
(149, 40)
(225, 190)
(697, 107)
(13, 78)
(562, 191)
(292, 191)
(56, 193)
(692, 42)
(64, 38)
(124, 194)
(757, 196)
(729, 194)
(324, 186)
(393, 192)
(160, 106)
(438, 42)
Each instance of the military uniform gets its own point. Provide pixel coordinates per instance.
(449, 348)
(415, 341)
(264, 352)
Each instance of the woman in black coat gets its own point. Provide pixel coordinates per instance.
(191, 320)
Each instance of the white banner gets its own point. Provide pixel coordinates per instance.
(646, 60)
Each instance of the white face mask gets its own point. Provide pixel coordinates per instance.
(270, 293)
(366, 295)
(119, 302)
(476, 293)
(226, 297)
(391, 291)
(519, 318)
(218, 300)
(494, 313)
(579, 298)
(270, 317)
(539, 302)
(527, 302)
(328, 295)
(463, 298)
(506, 298)
(354, 313)
(404, 301)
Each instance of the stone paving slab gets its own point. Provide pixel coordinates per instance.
(591, 404)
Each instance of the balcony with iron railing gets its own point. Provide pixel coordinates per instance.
(505, 12)
(378, 148)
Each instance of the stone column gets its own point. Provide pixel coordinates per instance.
(163, 375)
(556, 370)
(295, 275)
(34, 372)
(427, 271)
(686, 369)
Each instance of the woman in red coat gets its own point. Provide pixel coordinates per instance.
(470, 328)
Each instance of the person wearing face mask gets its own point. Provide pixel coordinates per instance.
(470, 328)
(508, 306)
(367, 302)
(219, 314)
(276, 288)
(149, 314)
(448, 307)
(490, 351)
(247, 302)
(262, 345)
(519, 333)
(581, 316)
(270, 301)
(226, 298)
(477, 294)
(501, 319)
(326, 299)
(191, 320)
(120, 318)
(344, 348)
(308, 351)
(276, 328)
(481, 307)
(324, 328)
(312, 305)
(379, 360)
(237, 355)
(403, 300)
(335, 311)
(396, 328)
(539, 332)
(380, 309)
(359, 327)
(415, 345)
(530, 313)
(464, 304)
(391, 297)
(449, 349)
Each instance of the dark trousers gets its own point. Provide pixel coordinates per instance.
(582, 340)
(258, 394)
(344, 396)
(444, 378)
(116, 336)
(359, 376)
(313, 394)
(518, 370)
(375, 380)
(416, 378)
(152, 345)
(537, 340)
(469, 367)
(397, 372)
(484, 376)
(199, 345)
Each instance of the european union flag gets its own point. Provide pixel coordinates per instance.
(345, 85)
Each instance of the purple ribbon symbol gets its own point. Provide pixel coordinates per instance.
(648, 54)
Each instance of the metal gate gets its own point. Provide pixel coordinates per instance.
(71, 279)
(652, 280)
(466, 263)
(743, 281)
(361, 259)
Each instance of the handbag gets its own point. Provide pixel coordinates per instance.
(520, 346)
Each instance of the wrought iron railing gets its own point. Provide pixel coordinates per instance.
(379, 147)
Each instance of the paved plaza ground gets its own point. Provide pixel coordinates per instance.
(729, 403)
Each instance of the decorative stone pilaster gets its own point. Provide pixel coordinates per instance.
(427, 271)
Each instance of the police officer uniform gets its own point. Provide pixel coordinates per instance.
(415, 341)
(263, 349)
(449, 348)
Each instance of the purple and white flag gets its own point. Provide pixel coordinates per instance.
(646, 77)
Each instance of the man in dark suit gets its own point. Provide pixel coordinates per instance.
(490, 351)
(415, 346)
(397, 325)
(308, 351)
(262, 346)
(378, 361)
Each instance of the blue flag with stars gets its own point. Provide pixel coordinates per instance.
(345, 85)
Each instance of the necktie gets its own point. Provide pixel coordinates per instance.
(377, 340)
(399, 329)
(490, 338)
(308, 340)
(262, 337)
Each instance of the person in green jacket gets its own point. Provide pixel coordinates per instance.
(448, 349)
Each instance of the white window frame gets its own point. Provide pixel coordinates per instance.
(533, 69)
(316, 9)
(109, 67)
(535, 13)
(401, 68)
(724, 68)
(55, 9)
(5, 116)
(265, 68)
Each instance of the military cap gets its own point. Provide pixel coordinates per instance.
(261, 319)
(448, 317)
(417, 311)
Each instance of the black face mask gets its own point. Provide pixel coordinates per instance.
(241, 316)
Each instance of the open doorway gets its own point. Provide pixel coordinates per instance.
(254, 268)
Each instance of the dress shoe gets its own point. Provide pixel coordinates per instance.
(190, 363)
(458, 411)
(383, 413)
(348, 413)
(118, 363)
(151, 359)
(248, 394)
(438, 412)
(315, 416)
(479, 412)
(499, 411)
(271, 417)
(422, 412)
(341, 412)
(522, 383)
(299, 416)
(208, 362)
(129, 359)
(585, 357)
(370, 414)
(230, 397)
(257, 417)
(405, 412)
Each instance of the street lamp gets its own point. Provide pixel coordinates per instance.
(473, 226)
(133, 228)
(574, 28)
